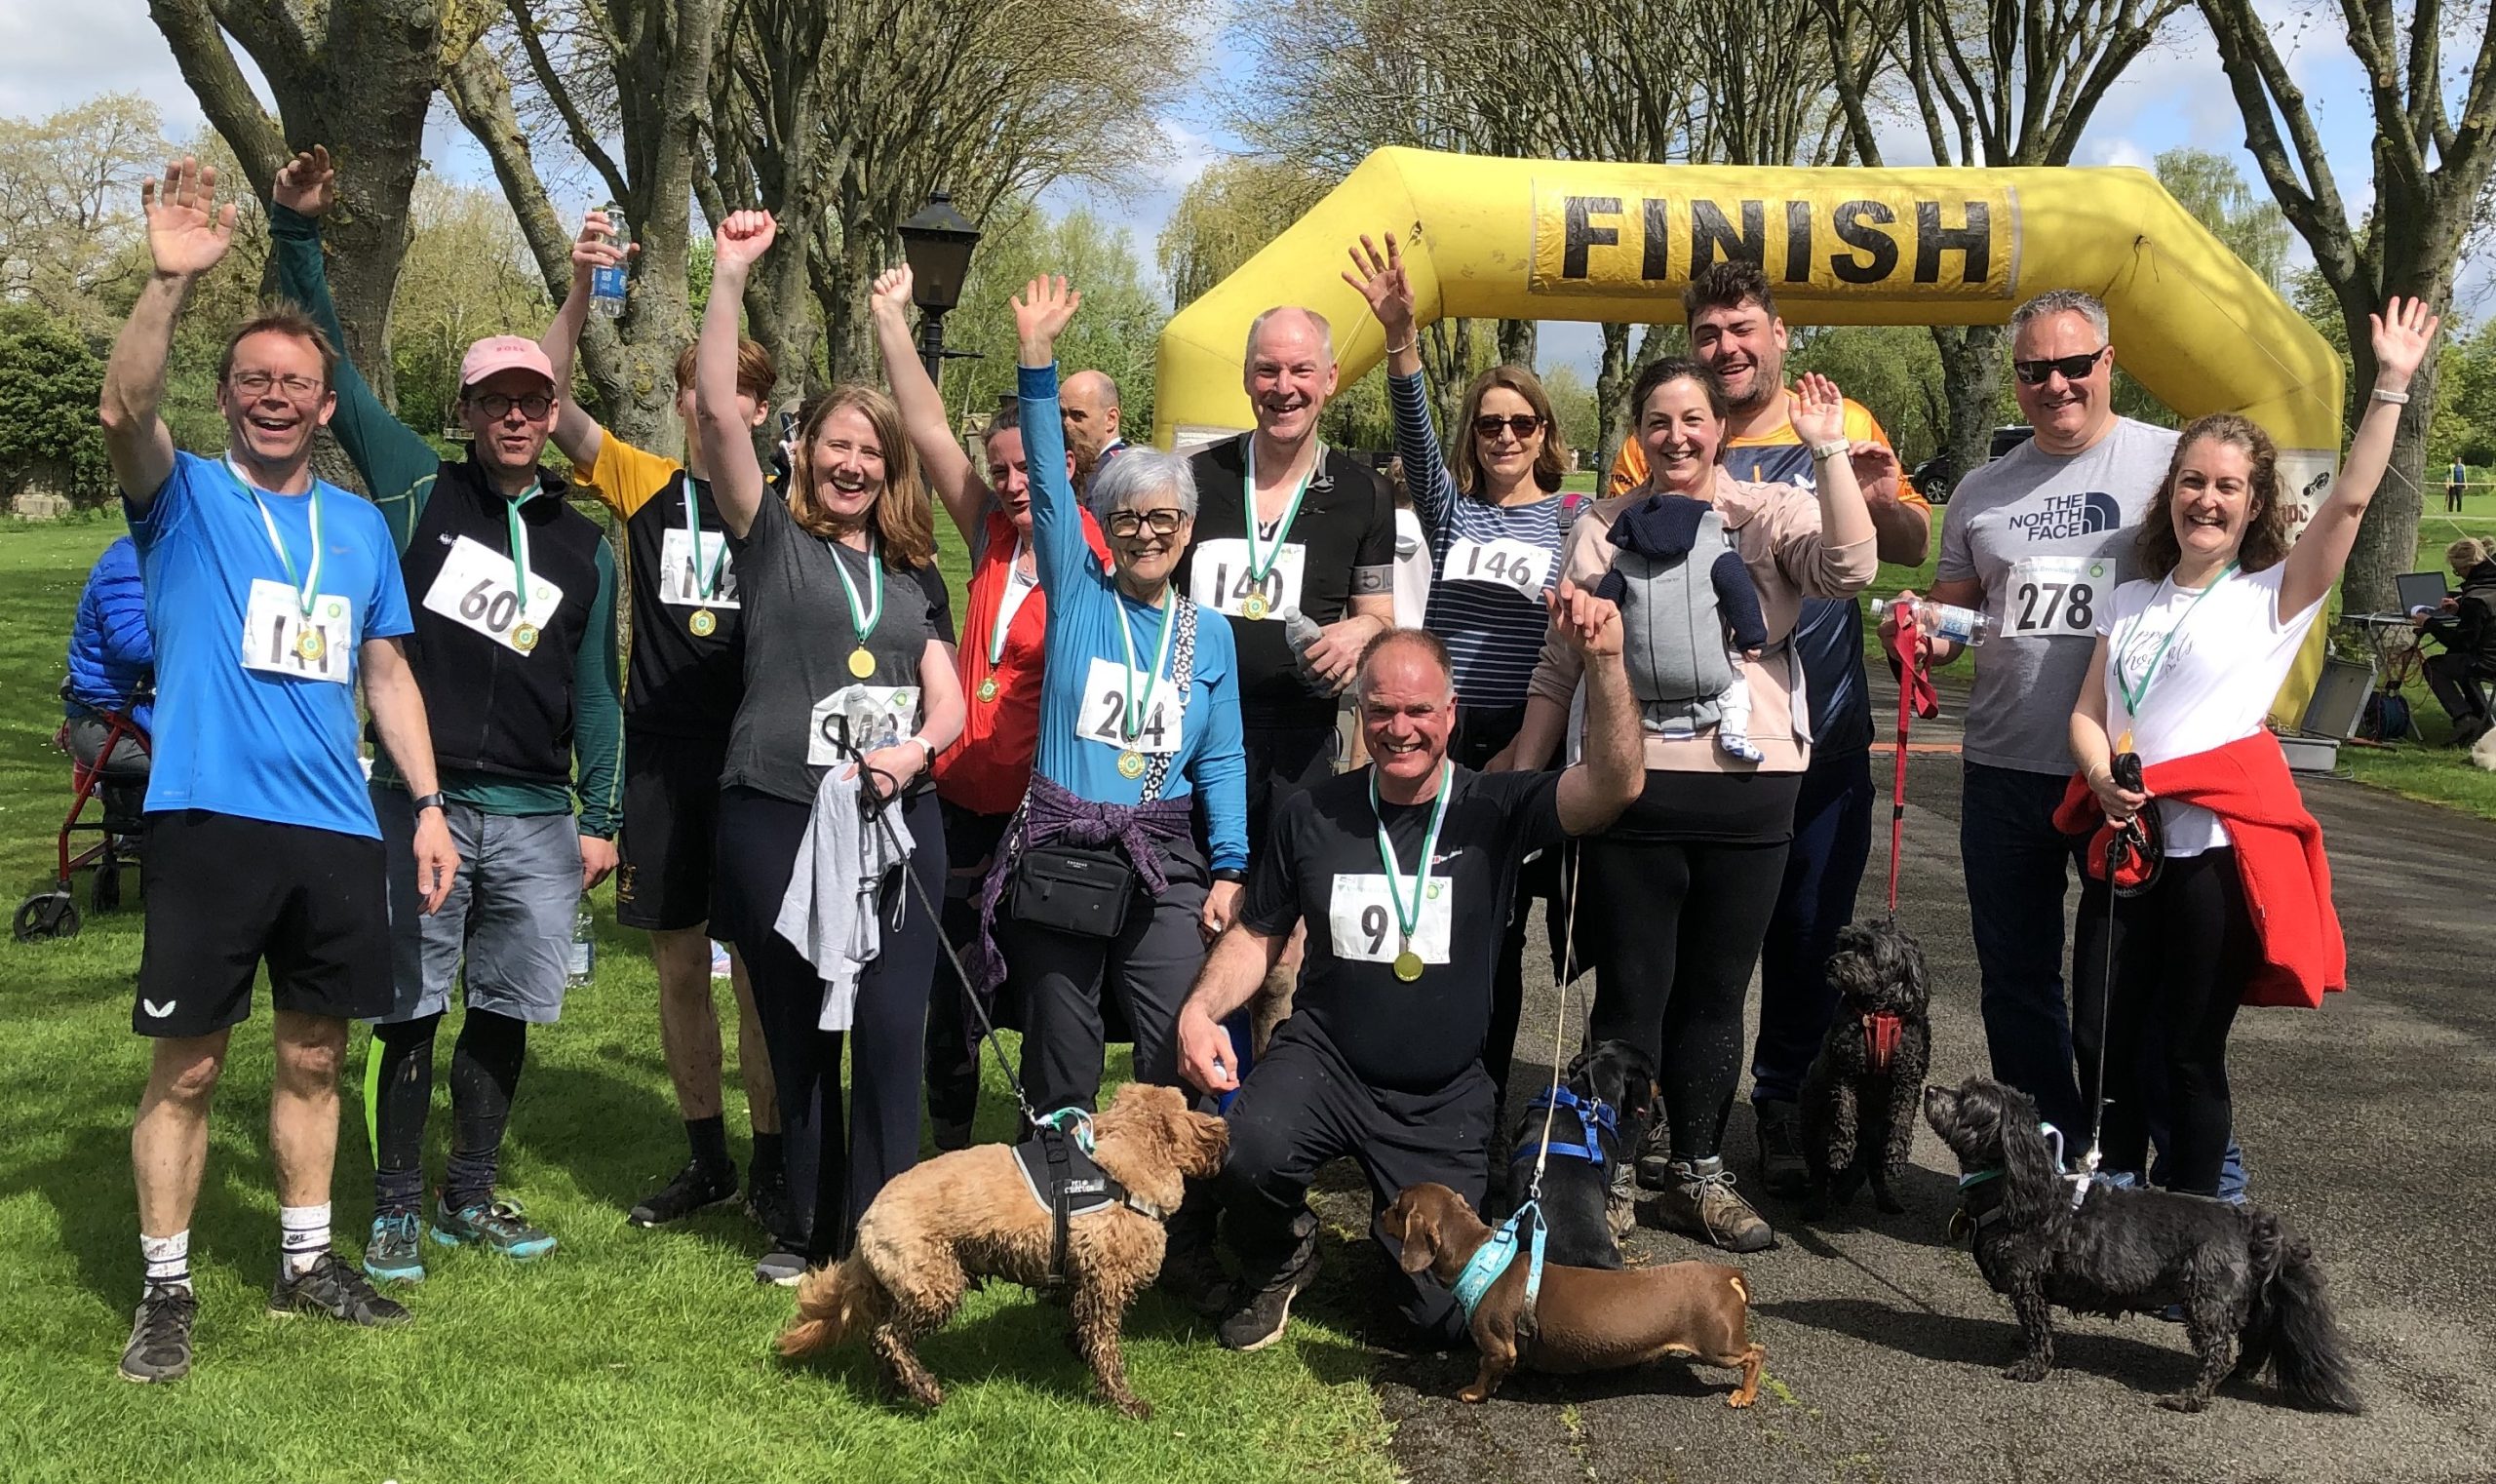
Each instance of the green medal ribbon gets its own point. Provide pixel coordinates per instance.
(1137, 712)
(1259, 566)
(519, 556)
(863, 617)
(2135, 693)
(307, 589)
(1408, 919)
(705, 582)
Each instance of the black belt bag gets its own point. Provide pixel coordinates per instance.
(1077, 889)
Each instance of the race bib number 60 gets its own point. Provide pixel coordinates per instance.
(2057, 597)
(1218, 578)
(473, 590)
(1360, 918)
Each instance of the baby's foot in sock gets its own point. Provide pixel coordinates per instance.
(1740, 745)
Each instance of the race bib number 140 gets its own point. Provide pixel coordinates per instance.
(1219, 579)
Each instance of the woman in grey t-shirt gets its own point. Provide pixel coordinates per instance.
(848, 663)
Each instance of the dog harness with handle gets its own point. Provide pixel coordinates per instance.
(1595, 1118)
(1882, 1032)
(1493, 1258)
(1057, 1170)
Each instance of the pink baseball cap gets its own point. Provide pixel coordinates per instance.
(502, 353)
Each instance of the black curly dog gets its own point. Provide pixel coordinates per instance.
(1860, 1097)
(1576, 1191)
(2238, 1274)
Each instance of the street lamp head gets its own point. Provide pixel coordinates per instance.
(938, 242)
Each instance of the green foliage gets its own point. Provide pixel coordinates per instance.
(1893, 370)
(1116, 330)
(50, 380)
(467, 275)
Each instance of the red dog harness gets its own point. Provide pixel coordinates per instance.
(1880, 1031)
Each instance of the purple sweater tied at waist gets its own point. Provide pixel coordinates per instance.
(1052, 815)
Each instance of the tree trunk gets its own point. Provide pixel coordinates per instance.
(1516, 343)
(1971, 381)
(1612, 393)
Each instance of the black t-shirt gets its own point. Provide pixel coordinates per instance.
(1418, 1037)
(1345, 532)
(683, 684)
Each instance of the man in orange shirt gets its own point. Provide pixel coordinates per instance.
(1735, 332)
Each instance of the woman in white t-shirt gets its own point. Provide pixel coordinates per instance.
(2189, 661)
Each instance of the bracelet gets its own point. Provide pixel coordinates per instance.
(2396, 398)
(1397, 350)
(1830, 450)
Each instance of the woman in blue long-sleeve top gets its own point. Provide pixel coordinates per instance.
(112, 662)
(1138, 725)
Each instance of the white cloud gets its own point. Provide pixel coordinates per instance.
(55, 55)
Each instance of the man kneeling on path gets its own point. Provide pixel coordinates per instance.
(267, 591)
(1381, 1059)
(513, 645)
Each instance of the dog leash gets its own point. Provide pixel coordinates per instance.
(1533, 1206)
(2123, 840)
(1915, 697)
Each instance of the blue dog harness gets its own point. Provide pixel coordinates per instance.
(1493, 1258)
(1595, 1117)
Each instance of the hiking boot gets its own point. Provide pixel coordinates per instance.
(766, 1200)
(1620, 1204)
(781, 1268)
(392, 1254)
(1700, 1201)
(160, 1336)
(495, 1226)
(331, 1287)
(1259, 1320)
(1781, 1170)
(1655, 1157)
(697, 1187)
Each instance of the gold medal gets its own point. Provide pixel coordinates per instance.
(703, 623)
(309, 643)
(861, 663)
(1408, 966)
(1253, 606)
(525, 638)
(2123, 743)
(1131, 764)
(988, 689)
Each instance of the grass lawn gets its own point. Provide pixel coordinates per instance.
(624, 1356)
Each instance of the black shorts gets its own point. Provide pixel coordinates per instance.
(1282, 762)
(226, 895)
(671, 827)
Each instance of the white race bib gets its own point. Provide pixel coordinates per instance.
(473, 590)
(2057, 597)
(877, 716)
(1102, 714)
(273, 629)
(1519, 565)
(681, 571)
(1220, 579)
(1361, 916)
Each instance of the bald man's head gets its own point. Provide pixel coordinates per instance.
(1290, 371)
(1089, 404)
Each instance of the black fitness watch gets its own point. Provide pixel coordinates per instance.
(424, 801)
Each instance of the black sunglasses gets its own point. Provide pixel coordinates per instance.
(1127, 524)
(1520, 424)
(2072, 368)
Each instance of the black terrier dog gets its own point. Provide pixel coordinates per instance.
(2238, 1274)
(1604, 1106)
(1860, 1097)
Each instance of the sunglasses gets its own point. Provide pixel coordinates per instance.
(2072, 368)
(496, 405)
(1127, 524)
(1520, 425)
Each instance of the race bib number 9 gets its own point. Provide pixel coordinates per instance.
(1361, 919)
(1103, 716)
(1519, 565)
(274, 630)
(681, 572)
(1220, 578)
(860, 719)
(2057, 597)
(473, 590)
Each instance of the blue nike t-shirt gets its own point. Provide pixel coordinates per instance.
(247, 722)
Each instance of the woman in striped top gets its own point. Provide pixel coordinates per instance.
(1495, 523)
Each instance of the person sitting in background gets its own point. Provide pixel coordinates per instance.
(112, 665)
(2467, 628)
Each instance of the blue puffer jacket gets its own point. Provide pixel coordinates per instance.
(111, 654)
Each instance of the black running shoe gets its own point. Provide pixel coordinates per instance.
(1781, 1170)
(697, 1187)
(333, 1288)
(1259, 1321)
(160, 1336)
(766, 1201)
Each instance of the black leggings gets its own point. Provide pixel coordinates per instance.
(484, 1073)
(1681, 922)
(2184, 952)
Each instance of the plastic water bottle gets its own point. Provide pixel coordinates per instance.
(1300, 630)
(606, 285)
(1960, 626)
(584, 955)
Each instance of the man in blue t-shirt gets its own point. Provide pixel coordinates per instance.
(267, 591)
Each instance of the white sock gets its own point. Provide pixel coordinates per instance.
(303, 1235)
(168, 1259)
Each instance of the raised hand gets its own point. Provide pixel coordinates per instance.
(1875, 468)
(2402, 334)
(594, 247)
(307, 183)
(1040, 314)
(187, 232)
(890, 295)
(1586, 623)
(1819, 413)
(743, 239)
(1383, 281)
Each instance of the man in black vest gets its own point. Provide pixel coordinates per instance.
(515, 650)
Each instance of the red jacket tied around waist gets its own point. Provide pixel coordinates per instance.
(2278, 856)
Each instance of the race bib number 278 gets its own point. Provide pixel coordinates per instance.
(2057, 597)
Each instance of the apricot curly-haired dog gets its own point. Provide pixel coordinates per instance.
(968, 1214)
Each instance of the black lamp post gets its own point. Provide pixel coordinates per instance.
(938, 243)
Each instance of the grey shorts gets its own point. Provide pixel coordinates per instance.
(507, 922)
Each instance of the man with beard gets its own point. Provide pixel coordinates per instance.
(261, 844)
(1734, 332)
(515, 648)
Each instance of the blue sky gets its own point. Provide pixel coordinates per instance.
(52, 55)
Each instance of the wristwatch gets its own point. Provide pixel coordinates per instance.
(1230, 874)
(1830, 450)
(424, 801)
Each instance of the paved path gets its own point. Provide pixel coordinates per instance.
(2367, 1125)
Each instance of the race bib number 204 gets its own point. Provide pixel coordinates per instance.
(2057, 597)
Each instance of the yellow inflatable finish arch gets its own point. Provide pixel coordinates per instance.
(1537, 238)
